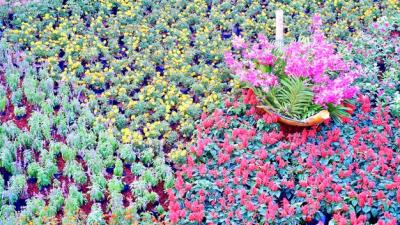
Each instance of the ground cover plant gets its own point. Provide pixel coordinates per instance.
(103, 105)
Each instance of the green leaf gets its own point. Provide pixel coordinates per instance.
(293, 98)
(337, 112)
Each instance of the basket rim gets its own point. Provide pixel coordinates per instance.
(303, 121)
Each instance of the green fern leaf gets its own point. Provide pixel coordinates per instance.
(296, 97)
(338, 112)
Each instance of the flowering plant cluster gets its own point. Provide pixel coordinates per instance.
(292, 75)
(59, 166)
(243, 170)
(377, 51)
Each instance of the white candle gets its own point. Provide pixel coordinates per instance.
(279, 28)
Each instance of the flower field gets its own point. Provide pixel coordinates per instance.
(147, 112)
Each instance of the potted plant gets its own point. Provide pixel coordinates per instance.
(303, 83)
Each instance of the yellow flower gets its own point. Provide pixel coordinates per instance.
(183, 153)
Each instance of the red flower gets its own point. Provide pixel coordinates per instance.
(271, 137)
(250, 206)
(301, 194)
(287, 209)
(366, 104)
(222, 158)
(345, 119)
(239, 214)
(197, 212)
(362, 198)
(398, 195)
(270, 118)
(271, 211)
(207, 123)
(361, 220)
(227, 103)
(179, 182)
(202, 169)
(249, 97)
(339, 219)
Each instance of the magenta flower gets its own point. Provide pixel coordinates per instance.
(315, 61)
(316, 21)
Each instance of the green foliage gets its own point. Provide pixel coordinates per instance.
(33, 169)
(137, 168)
(96, 192)
(16, 97)
(119, 168)
(149, 177)
(126, 152)
(95, 216)
(395, 105)
(43, 178)
(7, 157)
(94, 162)
(74, 200)
(172, 137)
(338, 112)
(19, 111)
(56, 200)
(3, 103)
(68, 153)
(115, 185)
(147, 155)
(17, 185)
(3, 96)
(12, 78)
(293, 98)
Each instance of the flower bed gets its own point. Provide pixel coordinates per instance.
(243, 169)
(99, 99)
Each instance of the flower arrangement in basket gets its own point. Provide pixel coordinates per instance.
(304, 82)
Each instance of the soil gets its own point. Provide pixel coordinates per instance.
(163, 197)
(32, 189)
(60, 164)
(8, 114)
(128, 179)
(59, 138)
(86, 208)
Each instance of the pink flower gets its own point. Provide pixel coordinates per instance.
(398, 195)
(316, 21)
(250, 206)
(362, 198)
(271, 211)
(380, 195)
(239, 43)
(287, 209)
